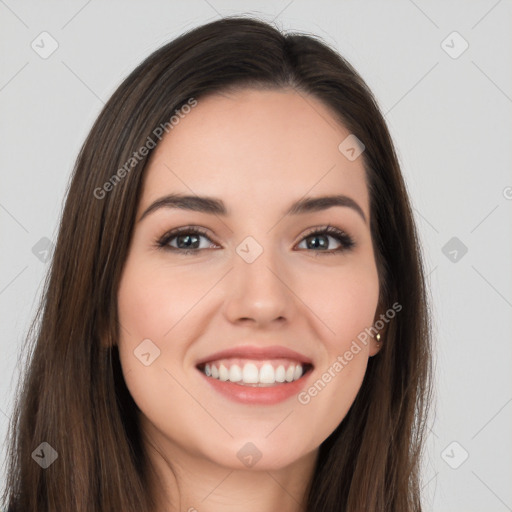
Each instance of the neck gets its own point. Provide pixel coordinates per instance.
(191, 483)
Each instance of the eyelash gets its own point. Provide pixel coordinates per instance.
(346, 241)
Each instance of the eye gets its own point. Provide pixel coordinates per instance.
(319, 240)
(191, 239)
(186, 239)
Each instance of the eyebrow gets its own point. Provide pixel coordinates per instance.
(215, 206)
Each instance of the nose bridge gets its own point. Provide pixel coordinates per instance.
(256, 289)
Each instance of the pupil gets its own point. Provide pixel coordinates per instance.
(185, 241)
(322, 244)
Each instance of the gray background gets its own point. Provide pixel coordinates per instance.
(451, 121)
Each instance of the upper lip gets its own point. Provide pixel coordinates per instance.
(255, 352)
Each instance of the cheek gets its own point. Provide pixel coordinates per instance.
(153, 299)
(345, 301)
(163, 304)
(357, 300)
(154, 307)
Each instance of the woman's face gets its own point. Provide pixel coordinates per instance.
(256, 283)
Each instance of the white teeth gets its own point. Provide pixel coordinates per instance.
(280, 373)
(250, 374)
(235, 373)
(223, 373)
(267, 374)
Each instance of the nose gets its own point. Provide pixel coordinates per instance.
(258, 293)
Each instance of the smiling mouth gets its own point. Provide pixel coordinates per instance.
(256, 373)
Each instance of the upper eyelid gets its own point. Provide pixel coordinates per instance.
(341, 235)
(324, 228)
(173, 233)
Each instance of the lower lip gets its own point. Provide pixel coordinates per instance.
(258, 395)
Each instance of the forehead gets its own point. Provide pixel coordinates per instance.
(255, 147)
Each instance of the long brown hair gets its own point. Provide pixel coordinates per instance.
(73, 395)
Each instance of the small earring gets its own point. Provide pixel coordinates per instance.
(378, 338)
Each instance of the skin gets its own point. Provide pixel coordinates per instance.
(258, 151)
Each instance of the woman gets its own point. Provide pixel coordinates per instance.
(236, 312)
